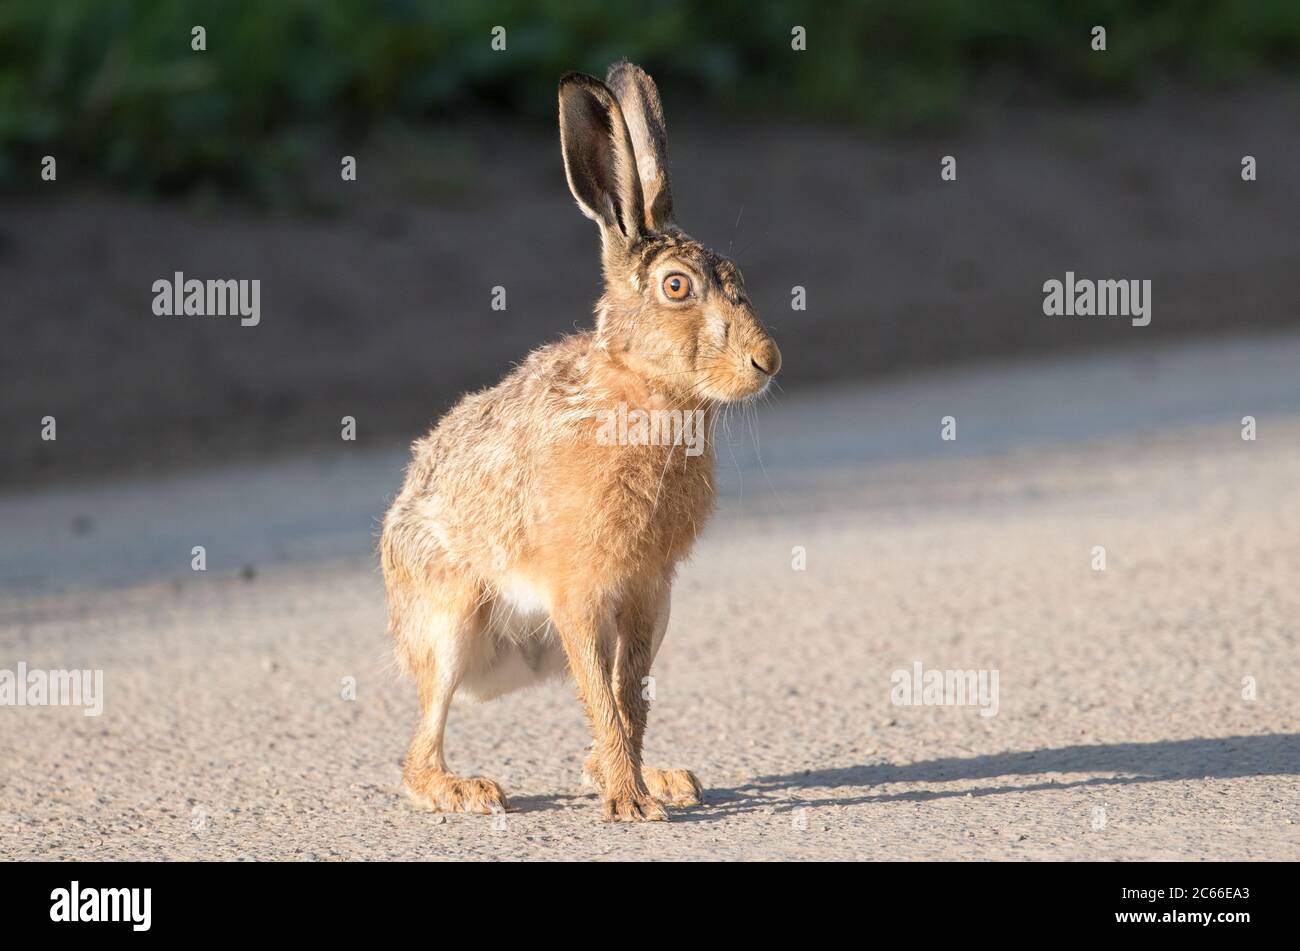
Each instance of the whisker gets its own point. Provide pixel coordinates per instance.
(732, 239)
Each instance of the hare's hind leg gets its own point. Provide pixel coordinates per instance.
(440, 636)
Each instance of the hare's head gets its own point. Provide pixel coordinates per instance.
(673, 311)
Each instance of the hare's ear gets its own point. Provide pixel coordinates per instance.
(598, 157)
(644, 115)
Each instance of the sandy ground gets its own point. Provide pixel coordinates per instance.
(1121, 732)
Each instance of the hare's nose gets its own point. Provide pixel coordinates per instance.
(766, 359)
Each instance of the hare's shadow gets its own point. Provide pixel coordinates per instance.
(546, 802)
(1163, 761)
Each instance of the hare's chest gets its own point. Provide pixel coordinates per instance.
(627, 509)
(676, 499)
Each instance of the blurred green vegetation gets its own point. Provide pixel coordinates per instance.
(115, 86)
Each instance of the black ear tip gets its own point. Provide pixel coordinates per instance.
(623, 70)
(582, 80)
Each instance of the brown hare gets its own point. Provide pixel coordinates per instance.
(528, 538)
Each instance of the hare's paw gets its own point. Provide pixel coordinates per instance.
(672, 787)
(675, 787)
(443, 792)
(634, 808)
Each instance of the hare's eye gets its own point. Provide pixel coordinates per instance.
(677, 286)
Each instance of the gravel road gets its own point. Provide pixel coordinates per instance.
(1149, 710)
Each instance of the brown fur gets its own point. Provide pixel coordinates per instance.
(520, 546)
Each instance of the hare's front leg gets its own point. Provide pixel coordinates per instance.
(641, 619)
(619, 761)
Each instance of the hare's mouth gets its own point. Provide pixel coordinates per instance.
(749, 387)
(758, 391)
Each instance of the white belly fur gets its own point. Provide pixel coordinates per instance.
(523, 648)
